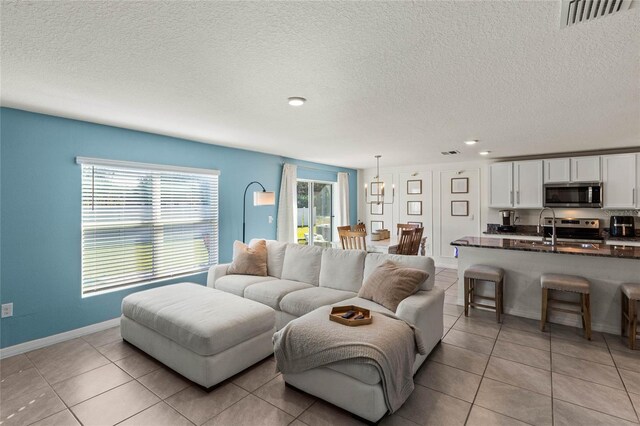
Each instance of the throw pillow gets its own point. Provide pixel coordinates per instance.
(390, 284)
(249, 259)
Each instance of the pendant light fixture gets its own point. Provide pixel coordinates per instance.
(379, 196)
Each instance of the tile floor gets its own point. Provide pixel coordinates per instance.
(483, 373)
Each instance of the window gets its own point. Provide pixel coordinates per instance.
(142, 222)
(315, 212)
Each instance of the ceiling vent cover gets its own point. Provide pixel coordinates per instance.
(576, 11)
(452, 152)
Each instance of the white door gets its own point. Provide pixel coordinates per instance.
(556, 170)
(619, 181)
(501, 185)
(527, 182)
(459, 212)
(585, 169)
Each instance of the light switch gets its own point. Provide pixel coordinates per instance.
(270, 219)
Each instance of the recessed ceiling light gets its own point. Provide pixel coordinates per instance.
(471, 142)
(484, 152)
(297, 101)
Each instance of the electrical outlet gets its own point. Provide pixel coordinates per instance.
(270, 219)
(7, 310)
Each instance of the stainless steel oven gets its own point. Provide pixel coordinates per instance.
(585, 194)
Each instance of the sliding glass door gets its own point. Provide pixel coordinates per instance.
(315, 213)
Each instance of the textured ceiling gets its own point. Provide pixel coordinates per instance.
(402, 79)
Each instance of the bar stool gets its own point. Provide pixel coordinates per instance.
(630, 296)
(572, 284)
(483, 273)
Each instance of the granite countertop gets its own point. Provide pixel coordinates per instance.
(531, 231)
(602, 250)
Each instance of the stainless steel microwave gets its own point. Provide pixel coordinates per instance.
(582, 194)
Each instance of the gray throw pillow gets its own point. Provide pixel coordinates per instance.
(390, 284)
(249, 260)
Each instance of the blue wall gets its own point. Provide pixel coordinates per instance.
(40, 211)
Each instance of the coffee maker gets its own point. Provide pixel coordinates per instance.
(508, 218)
(622, 226)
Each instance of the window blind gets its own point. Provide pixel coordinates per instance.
(142, 223)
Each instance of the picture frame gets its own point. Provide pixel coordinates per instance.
(376, 225)
(414, 187)
(377, 209)
(460, 185)
(414, 208)
(377, 188)
(459, 208)
(419, 224)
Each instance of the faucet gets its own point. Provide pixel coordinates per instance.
(554, 239)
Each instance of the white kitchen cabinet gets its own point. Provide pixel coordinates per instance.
(619, 181)
(585, 169)
(527, 184)
(637, 192)
(557, 170)
(501, 185)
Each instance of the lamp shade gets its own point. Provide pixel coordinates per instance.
(264, 198)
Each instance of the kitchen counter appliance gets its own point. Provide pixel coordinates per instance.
(622, 226)
(574, 229)
(508, 221)
(573, 195)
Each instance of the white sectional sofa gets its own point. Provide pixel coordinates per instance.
(303, 278)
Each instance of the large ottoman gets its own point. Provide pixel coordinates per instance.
(204, 334)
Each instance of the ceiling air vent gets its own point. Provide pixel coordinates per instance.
(452, 152)
(576, 11)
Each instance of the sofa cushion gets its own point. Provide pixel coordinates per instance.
(364, 303)
(271, 292)
(302, 302)
(302, 263)
(249, 259)
(201, 319)
(390, 284)
(236, 284)
(275, 257)
(342, 269)
(426, 264)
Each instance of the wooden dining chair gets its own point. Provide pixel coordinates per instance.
(402, 226)
(353, 240)
(405, 241)
(416, 241)
(344, 228)
(360, 227)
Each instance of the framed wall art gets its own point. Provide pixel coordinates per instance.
(414, 187)
(460, 185)
(459, 208)
(376, 225)
(414, 208)
(377, 209)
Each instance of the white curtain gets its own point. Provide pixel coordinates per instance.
(288, 205)
(341, 204)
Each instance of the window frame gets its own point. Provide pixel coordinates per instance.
(154, 168)
(311, 205)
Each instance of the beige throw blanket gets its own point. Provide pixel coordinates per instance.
(388, 343)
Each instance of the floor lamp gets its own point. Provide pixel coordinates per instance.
(260, 198)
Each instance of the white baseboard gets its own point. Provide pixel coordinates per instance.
(57, 338)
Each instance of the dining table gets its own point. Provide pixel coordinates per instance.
(388, 246)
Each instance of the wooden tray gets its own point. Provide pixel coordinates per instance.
(338, 311)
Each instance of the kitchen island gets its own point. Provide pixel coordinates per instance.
(606, 266)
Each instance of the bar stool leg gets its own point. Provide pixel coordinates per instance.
(543, 316)
(582, 313)
(624, 304)
(497, 297)
(633, 322)
(587, 315)
(502, 296)
(466, 297)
